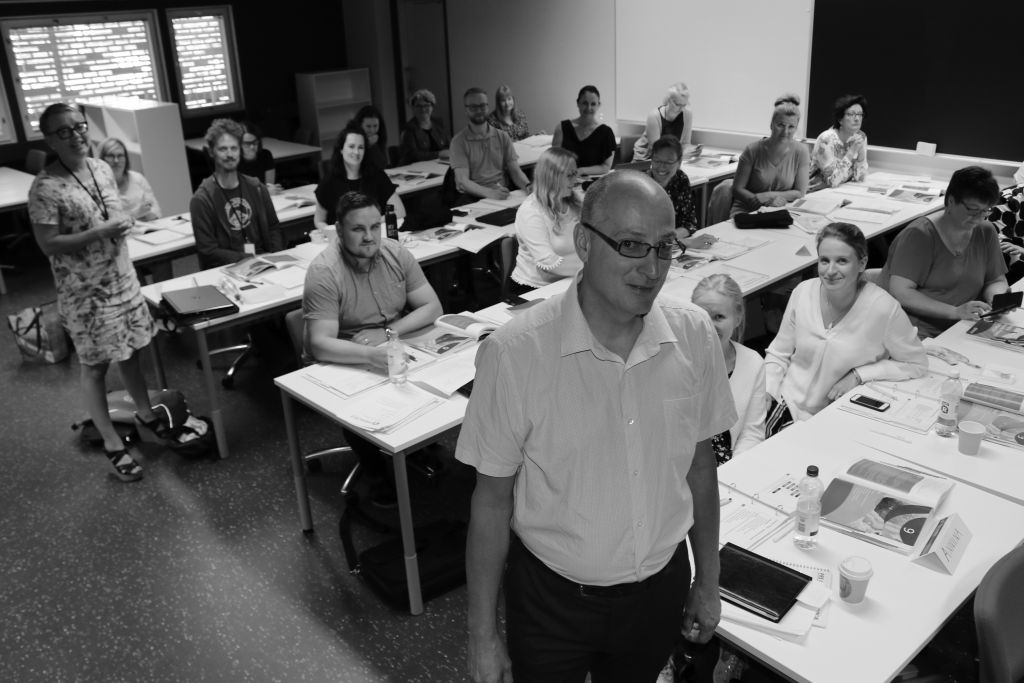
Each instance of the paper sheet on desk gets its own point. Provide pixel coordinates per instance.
(288, 277)
(388, 407)
(539, 140)
(159, 237)
(445, 375)
(476, 239)
(746, 522)
(180, 224)
(343, 380)
(748, 280)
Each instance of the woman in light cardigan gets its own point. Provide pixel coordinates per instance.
(838, 331)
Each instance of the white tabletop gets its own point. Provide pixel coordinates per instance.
(14, 186)
(906, 602)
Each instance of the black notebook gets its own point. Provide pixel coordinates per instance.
(500, 217)
(198, 303)
(757, 584)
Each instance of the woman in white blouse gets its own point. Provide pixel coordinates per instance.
(840, 153)
(545, 223)
(722, 298)
(838, 331)
(137, 197)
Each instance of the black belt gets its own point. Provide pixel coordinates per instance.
(617, 590)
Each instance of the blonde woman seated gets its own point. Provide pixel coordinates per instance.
(838, 331)
(840, 153)
(545, 223)
(137, 198)
(774, 170)
(722, 298)
(673, 117)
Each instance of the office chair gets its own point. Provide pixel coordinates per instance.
(999, 619)
(297, 333)
(244, 350)
(35, 161)
(624, 150)
(508, 249)
(720, 203)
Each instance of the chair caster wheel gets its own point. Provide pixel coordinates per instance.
(227, 382)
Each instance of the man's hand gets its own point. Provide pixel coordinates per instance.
(371, 337)
(488, 660)
(702, 612)
(498, 192)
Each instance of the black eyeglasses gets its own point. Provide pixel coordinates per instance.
(635, 249)
(65, 132)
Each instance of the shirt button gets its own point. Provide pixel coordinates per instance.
(640, 524)
(636, 473)
(630, 421)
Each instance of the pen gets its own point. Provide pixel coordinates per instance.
(724, 501)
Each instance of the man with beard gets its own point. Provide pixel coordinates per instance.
(232, 215)
(354, 293)
(483, 158)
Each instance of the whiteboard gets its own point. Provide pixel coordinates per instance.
(736, 56)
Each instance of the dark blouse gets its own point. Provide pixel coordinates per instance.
(678, 189)
(375, 184)
(258, 167)
(594, 149)
(420, 145)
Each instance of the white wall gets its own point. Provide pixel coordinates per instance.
(545, 50)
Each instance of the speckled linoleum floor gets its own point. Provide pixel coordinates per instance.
(199, 572)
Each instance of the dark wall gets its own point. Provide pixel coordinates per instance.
(274, 41)
(947, 73)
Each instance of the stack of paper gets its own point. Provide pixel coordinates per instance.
(343, 380)
(388, 407)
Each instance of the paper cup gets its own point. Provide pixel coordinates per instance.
(854, 574)
(971, 434)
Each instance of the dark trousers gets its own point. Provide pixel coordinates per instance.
(558, 630)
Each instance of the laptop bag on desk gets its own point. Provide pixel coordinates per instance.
(197, 303)
(500, 217)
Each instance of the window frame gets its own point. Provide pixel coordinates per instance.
(230, 55)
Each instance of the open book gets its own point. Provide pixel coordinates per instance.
(884, 504)
(251, 266)
(437, 341)
(727, 249)
(1001, 334)
(1000, 409)
(465, 324)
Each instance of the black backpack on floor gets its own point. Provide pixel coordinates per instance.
(440, 552)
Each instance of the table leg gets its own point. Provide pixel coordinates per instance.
(704, 205)
(298, 467)
(412, 567)
(211, 389)
(3, 285)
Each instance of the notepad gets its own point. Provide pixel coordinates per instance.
(757, 584)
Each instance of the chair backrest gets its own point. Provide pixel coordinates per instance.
(624, 152)
(720, 202)
(35, 161)
(296, 333)
(999, 619)
(872, 275)
(509, 250)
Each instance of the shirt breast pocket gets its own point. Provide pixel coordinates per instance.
(682, 416)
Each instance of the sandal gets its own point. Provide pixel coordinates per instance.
(152, 431)
(125, 466)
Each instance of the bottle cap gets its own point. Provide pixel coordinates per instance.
(812, 470)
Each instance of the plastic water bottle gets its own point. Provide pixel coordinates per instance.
(391, 222)
(808, 510)
(950, 394)
(398, 366)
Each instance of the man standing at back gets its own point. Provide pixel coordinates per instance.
(232, 214)
(589, 428)
(482, 157)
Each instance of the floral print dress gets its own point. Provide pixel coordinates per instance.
(98, 294)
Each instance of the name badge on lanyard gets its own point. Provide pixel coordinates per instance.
(250, 248)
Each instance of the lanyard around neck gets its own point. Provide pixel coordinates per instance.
(98, 197)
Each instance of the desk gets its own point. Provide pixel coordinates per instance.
(283, 150)
(399, 444)
(14, 186)
(701, 174)
(906, 603)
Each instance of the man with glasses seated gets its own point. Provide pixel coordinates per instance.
(483, 158)
(590, 428)
(948, 266)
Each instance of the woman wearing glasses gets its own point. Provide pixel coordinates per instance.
(840, 153)
(773, 170)
(673, 117)
(424, 136)
(137, 197)
(948, 266)
(838, 331)
(257, 161)
(591, 141)
(545, 223)
(80, 226)
(666, 157)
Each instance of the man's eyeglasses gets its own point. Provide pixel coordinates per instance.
(634, 248)
(65, 132)
(477, 107)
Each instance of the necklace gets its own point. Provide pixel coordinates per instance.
(98, 197)
(834, 315)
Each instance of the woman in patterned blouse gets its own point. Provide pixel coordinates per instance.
(666, 155)
(506, 117)
(841, 153)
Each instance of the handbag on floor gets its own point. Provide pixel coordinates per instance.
(39, 334)
(440, 553)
